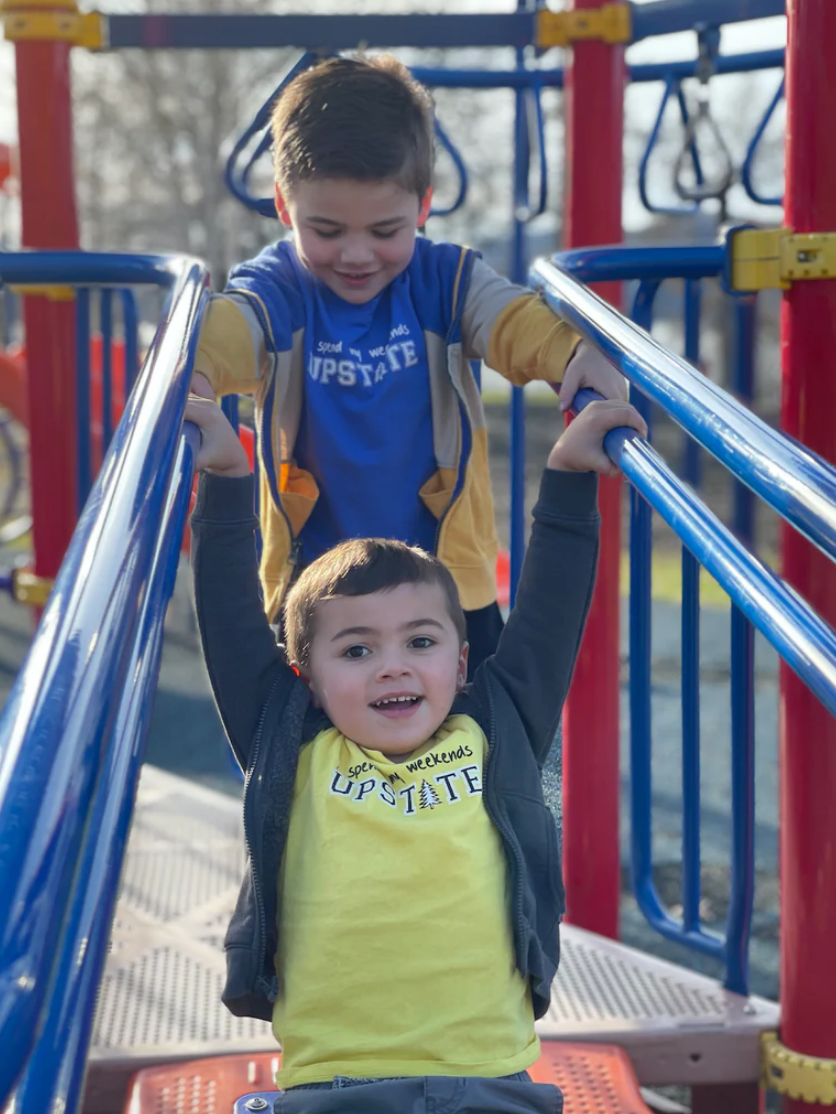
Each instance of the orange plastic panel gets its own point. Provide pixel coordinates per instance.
(594, 1079)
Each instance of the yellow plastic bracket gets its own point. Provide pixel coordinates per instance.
(29, 588)
(85, 29)
(772, 259)
(54, 293)
(611, 23)
(808, 1078)
(38, 5)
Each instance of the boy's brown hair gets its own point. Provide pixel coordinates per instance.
(359, 568)
(360, 118)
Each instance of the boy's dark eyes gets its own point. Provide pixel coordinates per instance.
(334, 233)
(359, 651)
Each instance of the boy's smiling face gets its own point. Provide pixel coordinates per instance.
(386, 667)
(354, 236)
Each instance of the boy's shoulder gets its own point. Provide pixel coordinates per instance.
(275, 276)
(439, 275)
(437, 258)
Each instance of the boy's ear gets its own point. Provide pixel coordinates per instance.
(302, 672)
(281, 207)
(461, 680)
(424, 210)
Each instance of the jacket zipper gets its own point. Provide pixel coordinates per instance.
(519, 920)
(259, 898)
(459, 309)
(264, 321)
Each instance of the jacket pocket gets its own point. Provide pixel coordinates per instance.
(299, 493)
(437, 492)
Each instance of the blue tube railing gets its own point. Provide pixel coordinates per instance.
(794, 481)
(799, 486)
(72, 731)
(86, 422)
(761, 598)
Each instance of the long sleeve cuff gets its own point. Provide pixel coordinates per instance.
(225, 499)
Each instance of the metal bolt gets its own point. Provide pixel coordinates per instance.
(256, 1103)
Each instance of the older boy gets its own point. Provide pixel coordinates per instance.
(355, 339)
(399, 920)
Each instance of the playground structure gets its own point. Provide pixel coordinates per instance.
(90, 721)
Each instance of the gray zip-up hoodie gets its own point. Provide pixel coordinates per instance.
(516, 697)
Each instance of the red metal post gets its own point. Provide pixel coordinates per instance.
(808, 732)
(594, 113)
(49, 221)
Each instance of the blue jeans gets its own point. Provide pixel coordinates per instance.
(515, 1094)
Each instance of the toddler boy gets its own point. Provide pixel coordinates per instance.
(355, 338)
(399, 919)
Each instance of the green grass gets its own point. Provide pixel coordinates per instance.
(667, 580)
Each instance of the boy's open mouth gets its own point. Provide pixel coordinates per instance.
(397, 707)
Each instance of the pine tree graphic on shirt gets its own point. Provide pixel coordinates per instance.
(428, 798)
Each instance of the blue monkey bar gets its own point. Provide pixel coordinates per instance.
(344, 32)
(72, 732)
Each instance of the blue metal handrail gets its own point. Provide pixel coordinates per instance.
(72, 731)
(799, 487)
(802, 639)
(792, 480)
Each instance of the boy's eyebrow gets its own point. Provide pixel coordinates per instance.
(411, 625)
(352, 630)
(338, 224)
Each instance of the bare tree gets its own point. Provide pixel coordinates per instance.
(151, 128)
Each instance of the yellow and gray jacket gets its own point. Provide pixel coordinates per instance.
(466, 311)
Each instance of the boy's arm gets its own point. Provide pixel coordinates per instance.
(539, 645)
(231, 350)
(513, 330)
(241, 654)
(538, 648)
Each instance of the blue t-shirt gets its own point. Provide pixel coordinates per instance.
(366, 429)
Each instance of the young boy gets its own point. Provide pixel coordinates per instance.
(399, 920)
(355, 338)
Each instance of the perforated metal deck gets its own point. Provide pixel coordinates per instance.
(160, 997)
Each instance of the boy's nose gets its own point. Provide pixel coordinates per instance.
(393, 667)
(356, 251)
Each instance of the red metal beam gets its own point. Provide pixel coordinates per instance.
(594, 111)
(49, 221)
(808, 412)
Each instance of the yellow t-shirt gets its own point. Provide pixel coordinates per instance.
(396, 953)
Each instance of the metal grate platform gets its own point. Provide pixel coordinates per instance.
(160, 997)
